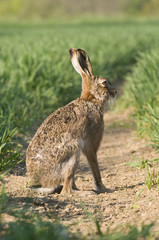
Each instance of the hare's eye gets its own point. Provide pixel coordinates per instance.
(105, 82)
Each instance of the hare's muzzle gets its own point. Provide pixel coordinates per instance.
(113, 92)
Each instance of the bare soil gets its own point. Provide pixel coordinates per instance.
(119, 143)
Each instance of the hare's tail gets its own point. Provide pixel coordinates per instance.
(43, 190)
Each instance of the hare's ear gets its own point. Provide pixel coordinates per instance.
(81, 62)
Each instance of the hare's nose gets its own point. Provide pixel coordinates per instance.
(114, 91)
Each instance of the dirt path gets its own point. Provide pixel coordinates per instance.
(119, 143)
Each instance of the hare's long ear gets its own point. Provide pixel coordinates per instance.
(81, 62)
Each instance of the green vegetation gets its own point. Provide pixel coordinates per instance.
(58, 10)
(9, 156)
(142, 92)
(9, 150)
(33, 227)
(142, 163)
(136, 6)
(151, 166)
(36, 75)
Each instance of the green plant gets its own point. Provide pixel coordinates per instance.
(153, 119)
(9, 155)
(3, 199)
(96, 221)
(141, 163)
(137, 197)
(151, 172)
(152, 177)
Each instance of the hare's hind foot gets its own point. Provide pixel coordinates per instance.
(68, 186)
(102, 189)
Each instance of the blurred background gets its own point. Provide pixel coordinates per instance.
(74, 9)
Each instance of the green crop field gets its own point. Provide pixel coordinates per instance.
(142, 92)
(37, 77)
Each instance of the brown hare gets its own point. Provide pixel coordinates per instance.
(53, 154)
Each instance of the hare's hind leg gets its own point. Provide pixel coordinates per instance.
(69, 173)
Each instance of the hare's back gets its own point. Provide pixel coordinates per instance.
(70, 122)
(57, 125)
(73, 117)
(62, 120)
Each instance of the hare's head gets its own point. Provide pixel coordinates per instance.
(93, 88)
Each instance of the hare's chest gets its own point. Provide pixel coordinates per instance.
(95, 126)
(97, 131)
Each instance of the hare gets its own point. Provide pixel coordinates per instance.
(52, 156)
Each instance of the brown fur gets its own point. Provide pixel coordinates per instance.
(53, 154)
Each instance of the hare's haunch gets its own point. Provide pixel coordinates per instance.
(53, 154)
